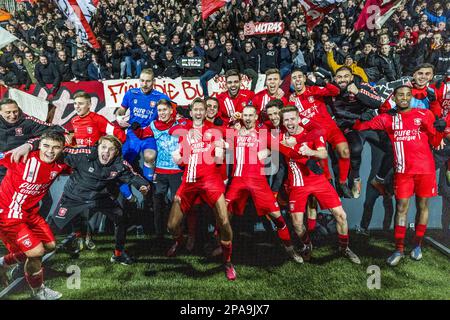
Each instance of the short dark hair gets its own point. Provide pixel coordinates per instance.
(275, 103)
(232, 72)
(298, 70)
(82, 94)
(54, 135)
(7, 101)
(288, 108)
(344, 68)
(401, 86)
(213, 99)
(425, 65)
(164, 102)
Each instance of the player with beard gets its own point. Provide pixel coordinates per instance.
(359, 102)
(24, 232)
(411, 131)
(309, 100)
(200, 153)
(305, 178)
(251, 146)
(233, 101)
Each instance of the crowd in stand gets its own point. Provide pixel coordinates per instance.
(152, 34)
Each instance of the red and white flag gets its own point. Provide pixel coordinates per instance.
(211, 6)
(375, 13)
(316, 10)
(80, 13)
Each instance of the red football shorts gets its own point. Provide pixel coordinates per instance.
(318, 187)
(24, 235)
(209, 189)
(422, 185)
(334, 135)
(256, 187)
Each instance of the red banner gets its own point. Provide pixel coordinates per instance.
(375, 13)
(314, 12)
(211, 6)
(255, 28)
(61, 102)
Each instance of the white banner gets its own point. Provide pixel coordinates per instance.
(6, 37)
(31, 105)
(182, 92)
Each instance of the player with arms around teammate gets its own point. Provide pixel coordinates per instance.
(305, 178)
(24, 232)
(411, 132)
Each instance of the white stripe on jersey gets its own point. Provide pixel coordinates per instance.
(230, 107)
(264, 102)
(297, 174)
(240, 152)
(36, 171)
(192, 168)
(397, 124)
(25, 172)
(299, 104)
(109, 129)
(15, 206)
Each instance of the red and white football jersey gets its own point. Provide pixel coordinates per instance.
(262, 98)
(229, 105)
(197, 149)
(298, 172)
(311, 105)
(90, 128)
(411, 134)
(246, 148)
(443, 97)
(25, 184)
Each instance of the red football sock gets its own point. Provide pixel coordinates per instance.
(117, 253)
(344, 167)
(226, 251)
(343, 241)
(13, 258)
(311, 225)
(282, 230)
(420, 232)
(77, 234)
(35, 280)
(305, 238)
(399, 235)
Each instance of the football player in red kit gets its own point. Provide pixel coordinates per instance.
(272, 92)
(233, 101)
(305, 178)
(88, 127)
(251, 146)
(24, 232)
(309, 100)
(200, 155)
(411, 132)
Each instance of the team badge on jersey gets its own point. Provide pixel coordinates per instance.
(311, 99)
(62, 212)
(53, 174)
(152, 104)
(2, 155)
(91, 169)
(27, 243)
(89, 130)
(19, 132)
(417, 121)
(135, 101)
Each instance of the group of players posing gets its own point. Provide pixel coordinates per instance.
(190, 158)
